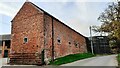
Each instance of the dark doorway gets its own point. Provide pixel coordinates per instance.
(42, 56)
(6, 53)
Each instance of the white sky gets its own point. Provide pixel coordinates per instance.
(78, 14)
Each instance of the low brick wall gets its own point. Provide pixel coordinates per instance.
(25, 58)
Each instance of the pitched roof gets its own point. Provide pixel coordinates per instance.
(5, 37)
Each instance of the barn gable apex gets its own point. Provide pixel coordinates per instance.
(27, 10)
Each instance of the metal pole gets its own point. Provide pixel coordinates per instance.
(91, 40)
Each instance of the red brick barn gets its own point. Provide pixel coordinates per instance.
(38, 36)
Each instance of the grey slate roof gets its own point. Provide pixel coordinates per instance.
(5, 37)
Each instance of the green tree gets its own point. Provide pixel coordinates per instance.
(110, 19)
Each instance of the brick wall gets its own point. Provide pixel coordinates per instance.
(48, 37)
(28, 23)
(36, 25)
(70, 41)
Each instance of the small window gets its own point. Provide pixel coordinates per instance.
(58, 40)
(76, 44)
(69, 42)
(25, 40)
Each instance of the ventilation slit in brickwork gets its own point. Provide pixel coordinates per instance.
(25, 40)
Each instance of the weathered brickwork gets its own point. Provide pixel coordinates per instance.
(70, 41)
(28, 23)
(44, 34)
(48, 37)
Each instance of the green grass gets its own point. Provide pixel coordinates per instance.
(118, 58)
(70, 58)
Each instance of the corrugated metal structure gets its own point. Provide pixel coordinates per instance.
(100, 45)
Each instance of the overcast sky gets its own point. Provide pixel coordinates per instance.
(78, 14)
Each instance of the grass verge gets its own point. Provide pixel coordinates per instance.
(118, 58)
(70, 58)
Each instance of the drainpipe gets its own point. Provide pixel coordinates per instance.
(52, 41)
(43, 52)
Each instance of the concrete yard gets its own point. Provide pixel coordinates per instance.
(3, 61)
(109, 60)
